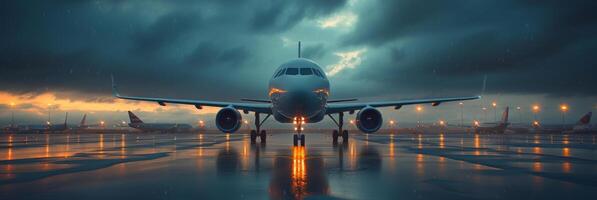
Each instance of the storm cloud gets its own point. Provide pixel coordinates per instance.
(227, 50)
(523, 46)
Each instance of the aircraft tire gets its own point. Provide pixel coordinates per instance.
(335, 136)
(263, 136)
(302, 140)
(295, 140)
(253, 136)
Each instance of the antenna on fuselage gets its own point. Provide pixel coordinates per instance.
(299, 49)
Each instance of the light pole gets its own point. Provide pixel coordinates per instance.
(494, 104)
(49, 118)
(519, 114)
(484, 114)
(461, 114)
(12, 120)
(419, 109)
(536, 110)
(564, 109)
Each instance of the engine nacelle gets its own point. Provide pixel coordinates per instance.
(228, 120)
(369, 120)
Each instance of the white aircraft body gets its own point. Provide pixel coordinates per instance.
(298, 94)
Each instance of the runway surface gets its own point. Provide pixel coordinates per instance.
(221, 166)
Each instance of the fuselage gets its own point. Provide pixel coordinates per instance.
(299, 88)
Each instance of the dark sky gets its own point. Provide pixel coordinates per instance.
(531, 51)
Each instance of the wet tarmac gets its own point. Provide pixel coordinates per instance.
(221, 166)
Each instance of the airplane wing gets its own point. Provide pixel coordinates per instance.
(346, 107)
(247, 107)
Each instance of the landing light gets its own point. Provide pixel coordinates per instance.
(322, 91)
(276, 90)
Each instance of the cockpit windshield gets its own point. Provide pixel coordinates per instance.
(292, 71)
(306, 71)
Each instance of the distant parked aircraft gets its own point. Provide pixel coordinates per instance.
(582, 126)
(161, 127)
(495, 127)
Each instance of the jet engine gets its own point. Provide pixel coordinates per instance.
(228, 120)
(369, 120)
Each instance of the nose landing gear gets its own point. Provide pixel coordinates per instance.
(298, 136)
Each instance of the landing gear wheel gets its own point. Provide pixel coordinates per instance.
(335, 136)
(295, 140)
(344, 136)
(302, 140)
(263, 135)
(253, 136)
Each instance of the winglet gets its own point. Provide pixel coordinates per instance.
(114, 88)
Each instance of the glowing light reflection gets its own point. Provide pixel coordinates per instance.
(299, 172)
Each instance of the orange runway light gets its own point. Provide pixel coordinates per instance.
(536, 108)
(564, 107)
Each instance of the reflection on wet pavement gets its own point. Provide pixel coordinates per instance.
(228, 166)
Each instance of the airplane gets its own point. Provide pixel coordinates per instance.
(43, 128)
(58, 127)
(496, 127)
(83, 124)
(582, 126)
(298, 94)
(139, 124)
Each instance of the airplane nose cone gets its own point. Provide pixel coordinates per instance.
(300, 102)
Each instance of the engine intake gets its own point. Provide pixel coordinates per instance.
(369, 120)
(228, 120)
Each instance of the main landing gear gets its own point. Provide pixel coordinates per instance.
(254, 133)
(299, 136)
(339, 132)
